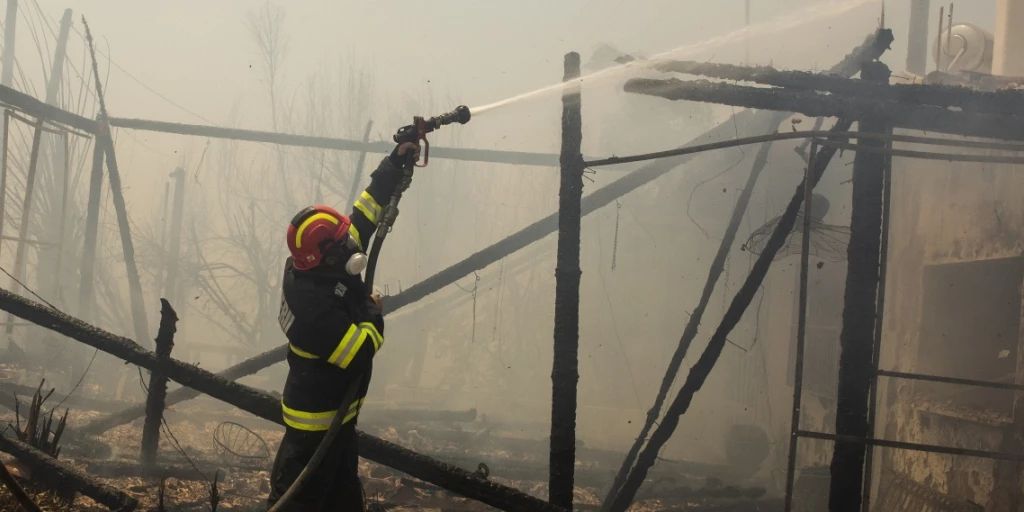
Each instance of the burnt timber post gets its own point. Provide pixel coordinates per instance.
(174, 237)
(564, 370)
(92, 217)
(106, 142)
(157, 396)
(26, 211)
(10, 24)
(859, 311)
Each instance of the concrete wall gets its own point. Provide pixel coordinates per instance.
(944, 213)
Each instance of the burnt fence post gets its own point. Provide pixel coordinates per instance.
(157, 395)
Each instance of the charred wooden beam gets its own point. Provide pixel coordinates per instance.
(17, 490)
(60, 477)
(1009, 101)
(565, 374)
(856, 340)
(87, 283)
(814, 104)
(104, 139)
(35, 108)
(267, 406)
(288, 139)
(242, 369)
(157, 395)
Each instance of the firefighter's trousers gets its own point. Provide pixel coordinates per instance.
(333, 487)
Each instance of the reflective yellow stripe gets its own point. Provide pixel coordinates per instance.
(308, 421)
(354, 233)
(305, 224)
(316, 421)
(375, 335)
(352, 329)
(356, 345)
(353, 411)
(368, 205)
(301, 353)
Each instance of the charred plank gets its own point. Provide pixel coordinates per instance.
(815, 104)
(61, 477)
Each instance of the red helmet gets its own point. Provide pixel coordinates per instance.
(312, 231)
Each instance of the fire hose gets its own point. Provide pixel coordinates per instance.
(414, 133)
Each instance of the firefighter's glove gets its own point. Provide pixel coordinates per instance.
(375, 304)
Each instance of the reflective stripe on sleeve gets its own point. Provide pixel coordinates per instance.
(375, 335)
(369, 206)
(354, 233)
(353, 341)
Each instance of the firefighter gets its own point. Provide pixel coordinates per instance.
(334, 328)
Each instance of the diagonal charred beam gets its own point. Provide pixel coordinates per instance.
(60, 476)
(242, 369)
(17, 491)
(267, 406)
(969, 100)
(814, 104)
(36, 108)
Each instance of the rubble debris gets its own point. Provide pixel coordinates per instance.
(19, 493)
(60, 477)
(127, 468)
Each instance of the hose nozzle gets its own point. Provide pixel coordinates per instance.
(461, 115)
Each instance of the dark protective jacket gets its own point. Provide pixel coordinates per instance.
(331, 331)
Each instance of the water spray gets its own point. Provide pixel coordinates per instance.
(820, 11)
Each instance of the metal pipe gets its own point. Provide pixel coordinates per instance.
(801, 333)
(951, 380)
(925, 155)
(920, 447)
(810, 134)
